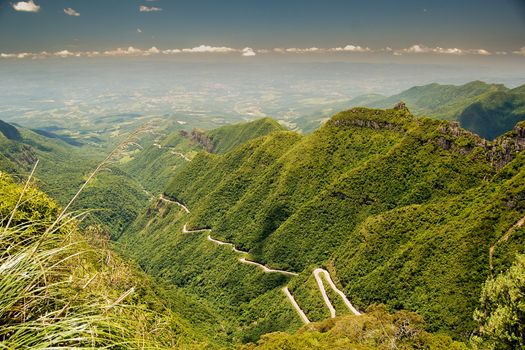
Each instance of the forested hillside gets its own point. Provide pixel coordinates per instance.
(489, 110)
(409, 216)
(153, 167)
(402, 211)
(494, 114)
(115, 196)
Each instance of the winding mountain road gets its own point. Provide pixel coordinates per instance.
(167, 200)
(317, 273)
(216, 241)
(185, 230)
(181, 155)
(267, 269)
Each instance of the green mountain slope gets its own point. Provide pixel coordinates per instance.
(245, 302)
(115, 196)
(435, 100)
(374, 330)
(495, 113)
(9, 131)
(228, 137)
(371, 192)
(489, 110)
(154, 166)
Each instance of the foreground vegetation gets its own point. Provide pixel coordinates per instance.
(60, 288)
(375, 330)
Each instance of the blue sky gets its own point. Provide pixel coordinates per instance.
(401, 27)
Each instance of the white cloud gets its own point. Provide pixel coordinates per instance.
(171, 51)
(356, 48)
(153, 51)
(130, 51)
(450, 51)
(26, 6)
(143, 8)
(347, 48)
(297, 50)
(70, 12)
(248, 52)
(139, 30)
(418, 48)
(66, 53)
(482, 52)
(209, 49)
(520, 51)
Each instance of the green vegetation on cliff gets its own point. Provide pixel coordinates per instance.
(115, 196)
(371, 192)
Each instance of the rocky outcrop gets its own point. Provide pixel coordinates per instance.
(505, 148)
(372, 118)
(450, 136)
(499, 152)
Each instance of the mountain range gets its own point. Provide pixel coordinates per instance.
(379, 228)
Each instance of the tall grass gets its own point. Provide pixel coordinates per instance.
(55, 292)
(35, 311)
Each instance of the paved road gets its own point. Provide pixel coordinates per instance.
(164, 199)
(317, 274)
(216, 241)
(296, 306)
(267, 269)
(504, 238)
(181, 155)
(185, 230)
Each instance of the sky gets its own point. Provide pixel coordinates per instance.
(401, 30)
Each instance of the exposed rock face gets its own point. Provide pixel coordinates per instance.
(450, 136)
(200, 137)
(505, 148)
(401, 106)
(499, 152)
(363, 123)
(356, 117)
